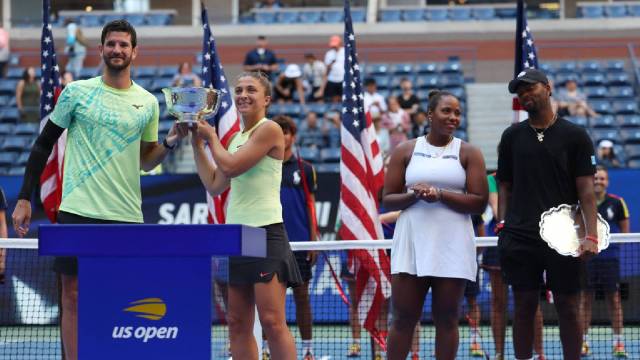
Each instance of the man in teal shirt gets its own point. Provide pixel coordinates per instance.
(112, 126)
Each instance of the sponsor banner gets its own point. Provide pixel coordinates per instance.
(144, 308)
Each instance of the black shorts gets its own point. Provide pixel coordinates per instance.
(332, 89)
(603, 274)
(472, 288)
(304, 265)
(490, 258)
(245, 270)
(524, 260)
(68, 265)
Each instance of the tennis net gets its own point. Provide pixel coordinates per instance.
(29, 308)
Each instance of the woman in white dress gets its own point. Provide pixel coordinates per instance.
(438, 181)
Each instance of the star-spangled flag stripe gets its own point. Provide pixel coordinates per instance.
(51, 178)
(361, 174)
(526, 55)
(226, 121)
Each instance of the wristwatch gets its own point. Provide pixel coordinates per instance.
(166, 144)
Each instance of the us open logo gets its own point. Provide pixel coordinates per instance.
(153, 309)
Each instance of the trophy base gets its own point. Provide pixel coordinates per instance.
(187, 121)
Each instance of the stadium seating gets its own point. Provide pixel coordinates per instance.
(605, 121)
(310, 17)
(633, 9)
(28, 129)
(615, 10)
(579, 120)
(632, 151)
(605, 134)
(413, 15)
(484, 13)
(437, 14)
(628, 121)
(16, 144)
(460, 14)
(591, 11)
(9, 115)
(390, 15)
(7, 159)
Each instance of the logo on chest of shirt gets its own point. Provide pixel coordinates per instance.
(137, 106)
(435, 156)
(296, 177)
(610, 213)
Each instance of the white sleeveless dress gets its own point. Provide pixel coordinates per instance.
(430, 239)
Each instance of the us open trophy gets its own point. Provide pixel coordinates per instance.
(563, 227)
(190, 104)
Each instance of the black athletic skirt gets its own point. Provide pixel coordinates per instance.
(280, 261)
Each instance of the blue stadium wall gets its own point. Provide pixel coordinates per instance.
(180, 199)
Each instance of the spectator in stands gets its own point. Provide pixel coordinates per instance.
(90, 154)
(5, 53)
(261, 58)
(408, 100)
(332, 122)
(66, 78)
(607, 155)
(269, 4)
(603, 271)
(312, 133)
(28, 96)
(186, 77)
(382, 133)
(419, 124)
(3, 234)
(397, 121)
(573, 101)
(288, 83)
(251, 167)
(334, 59)
(372, 98)
(75, 48)
(314, 72)
(298, 212)
(444, 257)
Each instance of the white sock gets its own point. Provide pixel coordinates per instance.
(265, 346)
(585, 338)
(307, 346)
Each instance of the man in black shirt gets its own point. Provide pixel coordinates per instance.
(261, 58)
(543, 162)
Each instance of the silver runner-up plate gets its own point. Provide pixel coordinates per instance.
(562, 227)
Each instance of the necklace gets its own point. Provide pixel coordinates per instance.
(540, 132)
(442, 148)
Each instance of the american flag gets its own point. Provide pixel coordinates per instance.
(526, 55)
(51, 178)
(362, 177)
(226, 120)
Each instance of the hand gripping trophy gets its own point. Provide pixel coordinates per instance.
(189, 104)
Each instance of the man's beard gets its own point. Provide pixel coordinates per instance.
(125, 63)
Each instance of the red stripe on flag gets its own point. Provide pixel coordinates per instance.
(354, 204)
